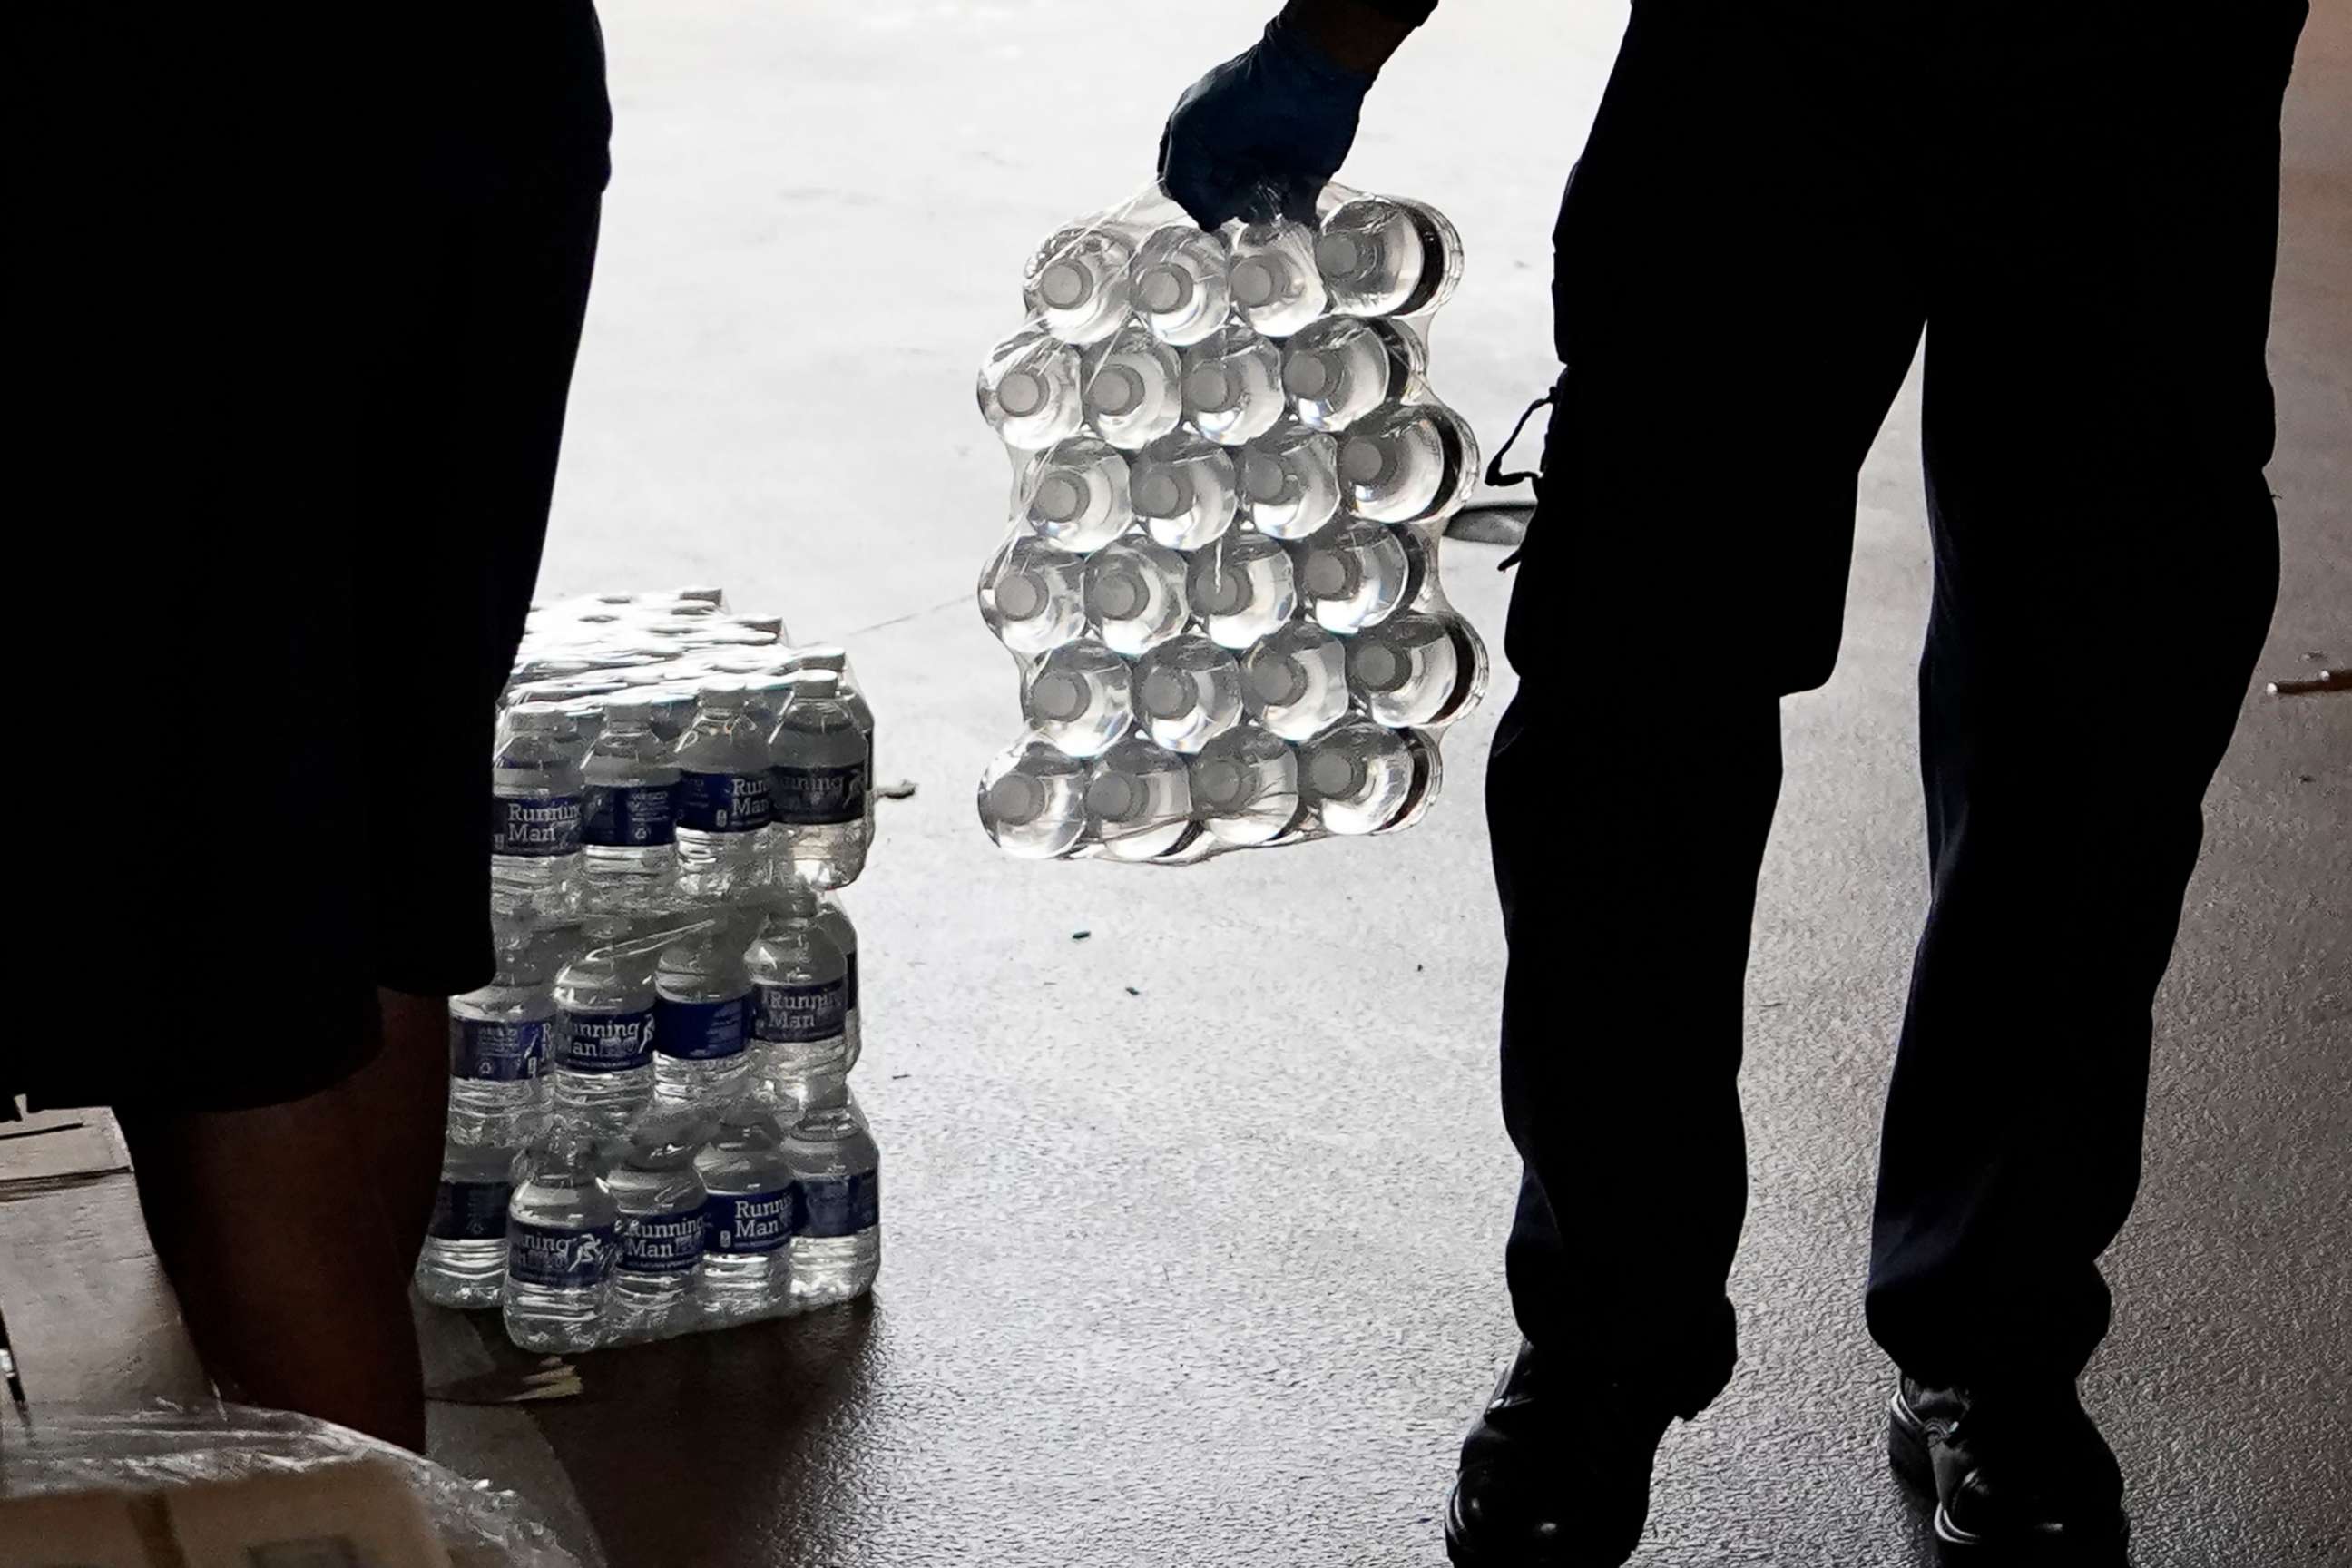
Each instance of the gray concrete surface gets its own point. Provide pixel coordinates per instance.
(1195, 1227)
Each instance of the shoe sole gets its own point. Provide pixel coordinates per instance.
(1907, 1456)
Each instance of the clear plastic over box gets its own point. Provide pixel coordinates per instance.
(1220, 584)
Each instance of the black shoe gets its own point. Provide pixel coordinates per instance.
(1556, 1474)
(2017, 1476)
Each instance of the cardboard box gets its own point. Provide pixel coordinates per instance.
(76, 1530)
(360, 1514)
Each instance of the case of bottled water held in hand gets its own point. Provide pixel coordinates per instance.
(1230, 481)
(651, 1128)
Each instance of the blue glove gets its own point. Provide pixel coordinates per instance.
(1265, 130)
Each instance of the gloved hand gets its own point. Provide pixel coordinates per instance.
(1276, 119)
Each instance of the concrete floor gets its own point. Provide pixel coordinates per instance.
(1195, 1227)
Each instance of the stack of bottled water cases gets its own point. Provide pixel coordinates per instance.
(1221, 582)
(651, 1130)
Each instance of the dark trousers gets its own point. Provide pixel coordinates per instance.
(2079, 211)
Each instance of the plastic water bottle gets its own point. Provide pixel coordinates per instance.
(498, 1034)
(765, 693)
(816, 768)
(702, 1002)
(1344, 367)
(1354, 574)
(1076, 495)
(1029, 390)
(1357, 776)
(1134, 592)
(1296, 681)
(1076, 283)
(1412, 669)
(1032, 595)
(1188, 691)
(800, 993)
(723, 804)
(602, 1056)
(834, 921)
(1030, 801)
(834, 660)
(535, 799)
(1292, 479)
(628, 821)
(1408, 463)
(658, 1200)
(1275, 286)
(1243, 587)
(560, 1243)
(1177, 284)
(837, 1169)
(1232, 385)
(1182, 487)
(1383, 257)
(1139, 800)
(464, 1254)
(1080, 697)
(1130, 388)
(751, 1218)
(671, 711)
(1245, 786)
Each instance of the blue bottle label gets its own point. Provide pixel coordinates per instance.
(494, 1050)
(660, 1243)
(841, 1206)
(604, 1042)
(700, 1031)
(816, 796)
(628, 816)
(533, 827)
(723, 803)
(750, 1222)
(470, 1210)
(849, 990)
(557, 1260)
(798, 1015)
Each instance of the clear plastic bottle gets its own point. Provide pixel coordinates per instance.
(751, 1218)
(1291, 477)
(464, 1254)
(1135, 594)
(601, 1054)
(1408, 463)
(1029, 801)
(817, 784)
(723, 805)
(658, 1200)
(672, 711)
(1139, 800)
(1344, 367)
(1410, 669)
(628, 820)
(837, 1169)
(560, 1243)
(1188, 691)
(1183, 489)
(1353, 575)
(835, 922)
(1383, 257)
(800, 993)
(1032, 595)
(702, 1003)
(1243, 587)
(765, 692)
(1132, 391)
(1076, 495)
(1357, 776)
(1080, 697)
(1076, 283)
(1245, 786)
(834, 659)
(1275, 285)
(498, 1034)
(535, 800)
(1029, 390)
(1296, 681)
(1232, 385)
(1177, 284)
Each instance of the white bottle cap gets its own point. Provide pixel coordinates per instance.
(1061, 497)
(1115, 797)
(1223, 785)
(1115, 390)
(1262, 477)
(1211, 388)
(1017, 799)
(1057, 697)
(1334, 774)
(1167, 695)
(1339, 255)
(1119, 595)
(1324, 575)
(1020, 393)
(1255, 280)
(1020, 595)
(1163, 493)
(1363, 460)
(1064, 285)
(537, 716)
(726, 693)
(1278, 682)
(1162, 290)
(1310, 375)
(630, 709)
(1377, 666)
